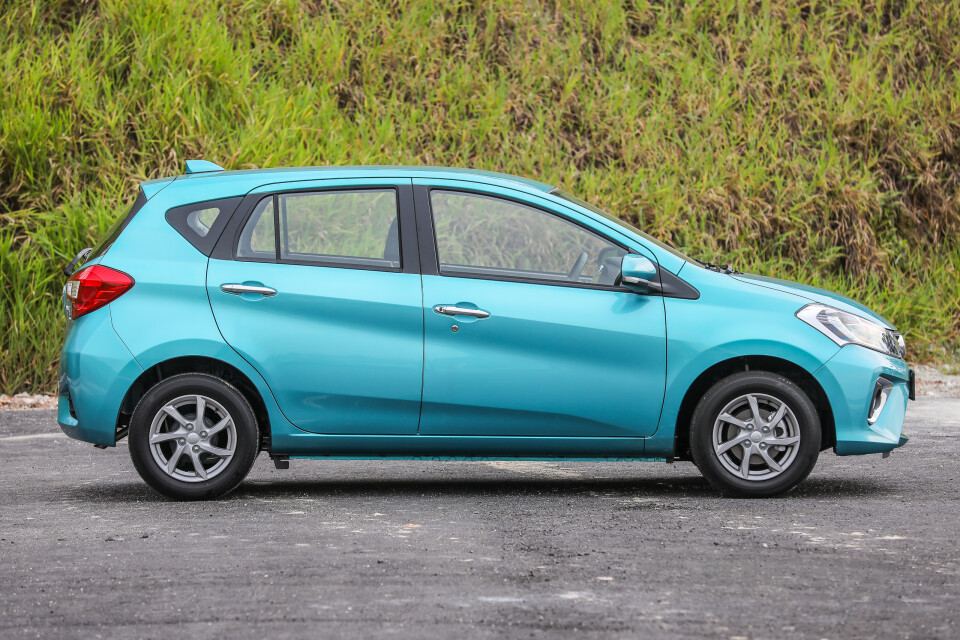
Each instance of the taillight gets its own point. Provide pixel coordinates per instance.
(90, 288)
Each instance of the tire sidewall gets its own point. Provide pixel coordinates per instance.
(236, 405)
(717, 397)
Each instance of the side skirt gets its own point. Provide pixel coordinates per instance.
(422, 447)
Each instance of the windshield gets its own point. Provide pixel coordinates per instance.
(622, 223)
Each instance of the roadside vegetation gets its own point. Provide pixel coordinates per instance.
(815, 141)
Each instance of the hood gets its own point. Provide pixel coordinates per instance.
(814, 294)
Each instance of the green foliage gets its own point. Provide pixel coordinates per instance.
(812, 140)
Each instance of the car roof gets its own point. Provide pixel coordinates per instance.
(289, 174)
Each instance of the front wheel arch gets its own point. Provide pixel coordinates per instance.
(793, 372)
(194, 364)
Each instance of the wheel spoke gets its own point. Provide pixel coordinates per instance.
(197, 465)
(729, 444)
(737, 422)
(217, 451)
(172, 462)
(220, 426)
(755, 410)
(745, 463)
(774, 442)
(201, 407)
(171, 411)
(770, 461)
(204, 432)
(163, 437)
(778, 416)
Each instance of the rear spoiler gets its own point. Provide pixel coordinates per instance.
(201, 166)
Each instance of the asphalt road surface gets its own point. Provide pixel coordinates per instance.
(866, 548)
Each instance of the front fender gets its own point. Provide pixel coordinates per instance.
(730, 320)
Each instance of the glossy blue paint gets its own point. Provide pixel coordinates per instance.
(816, 294)
(97, 369)
(549, 361)
(355, 363)
(848, 379)
(201, 166)
(151, 188)
(342, 349)
(731, 319)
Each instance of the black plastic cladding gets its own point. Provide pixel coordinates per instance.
(177, 217)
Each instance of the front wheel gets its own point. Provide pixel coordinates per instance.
(755, 434)
(193, 436)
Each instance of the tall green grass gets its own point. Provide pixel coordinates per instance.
(817, 141)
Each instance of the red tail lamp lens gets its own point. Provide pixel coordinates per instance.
(93, 287)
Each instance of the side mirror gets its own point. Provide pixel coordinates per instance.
(639, 274)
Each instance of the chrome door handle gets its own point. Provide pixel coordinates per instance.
(246, 288)
(449, 310)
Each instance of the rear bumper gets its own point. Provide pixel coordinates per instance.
(849, 380)
(96, 370)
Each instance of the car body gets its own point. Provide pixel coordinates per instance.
(399, 312)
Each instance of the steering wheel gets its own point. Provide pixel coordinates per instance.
(578, 267)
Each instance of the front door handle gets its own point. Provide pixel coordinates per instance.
(239, 289)
(450, 310)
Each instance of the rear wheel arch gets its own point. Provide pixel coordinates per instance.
(792, 371)
(194, 364)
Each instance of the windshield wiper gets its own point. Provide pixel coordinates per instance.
(727, 268)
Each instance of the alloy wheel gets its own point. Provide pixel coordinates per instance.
(756, 437)
(193, 438)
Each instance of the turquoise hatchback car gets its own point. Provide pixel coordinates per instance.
(425, 313)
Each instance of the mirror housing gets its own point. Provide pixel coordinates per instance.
(639, 274)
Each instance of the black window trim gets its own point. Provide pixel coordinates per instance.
(430, 261)
(176, 217)
(404, 204)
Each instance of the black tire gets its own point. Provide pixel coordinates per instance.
(728, 390)
(246, 441)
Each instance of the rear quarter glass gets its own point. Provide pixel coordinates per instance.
(201, 223)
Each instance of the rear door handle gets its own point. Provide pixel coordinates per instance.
(239, 289)
(450, 310)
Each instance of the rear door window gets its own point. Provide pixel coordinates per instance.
(333, 228)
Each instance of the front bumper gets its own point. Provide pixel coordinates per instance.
(849, 380)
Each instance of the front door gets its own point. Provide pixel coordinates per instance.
(318, 300)
(526, 333)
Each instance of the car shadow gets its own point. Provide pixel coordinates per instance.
(673, 489)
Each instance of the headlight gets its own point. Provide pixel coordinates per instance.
(846, 328)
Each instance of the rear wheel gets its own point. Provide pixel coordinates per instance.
(755, 434)
(193, 436)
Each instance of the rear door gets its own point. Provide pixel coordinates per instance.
(525, 332)
(321, 294)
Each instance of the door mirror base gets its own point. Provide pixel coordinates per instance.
(639, 274)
